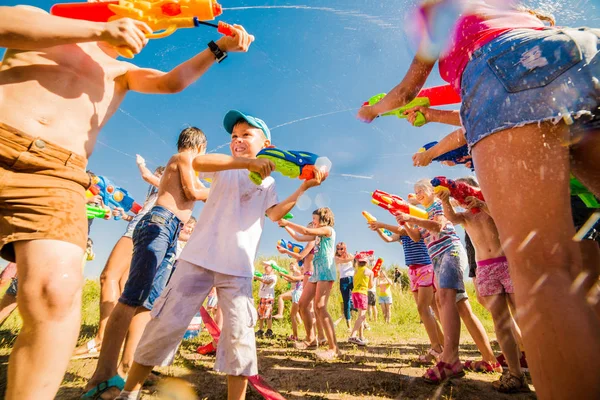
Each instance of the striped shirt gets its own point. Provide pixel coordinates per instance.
(446, 239)
(415, 253)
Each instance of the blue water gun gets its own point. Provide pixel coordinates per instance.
(293, 247)
(457, 156)
(113, 196)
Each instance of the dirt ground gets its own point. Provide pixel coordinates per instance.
(379, 371)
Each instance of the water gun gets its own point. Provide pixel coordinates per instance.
(96, 212)
(429, 97)
(459, 190)
(293, 164)
(288, 216)
(293, 247)
(399, 112)
(279, 269)
(577, 189)
(258, 274)
(371, 218)
(395, 204)
(457, 156)
(377, 267)
(113, 196)
(165, 16)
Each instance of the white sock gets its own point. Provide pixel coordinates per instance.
(125, 395)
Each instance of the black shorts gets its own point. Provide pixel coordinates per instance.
(372, 299)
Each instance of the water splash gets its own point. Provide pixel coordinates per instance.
(143, 126)
(312, 117)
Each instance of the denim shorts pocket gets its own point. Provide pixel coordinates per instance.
(535, 63)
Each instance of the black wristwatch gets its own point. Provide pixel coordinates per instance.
(220, 55)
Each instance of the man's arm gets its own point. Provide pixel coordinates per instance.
(191, 185)
(30, 28)
(146, 80)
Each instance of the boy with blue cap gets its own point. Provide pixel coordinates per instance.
(221, 254)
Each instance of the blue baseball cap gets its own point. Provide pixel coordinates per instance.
(234, 116)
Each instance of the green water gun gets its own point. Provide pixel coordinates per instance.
(399, 112)
(258, 274)
(96, 212)
(577, 189)
(279, 269)
(288, 216)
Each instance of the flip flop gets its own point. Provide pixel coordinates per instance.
(96, 392)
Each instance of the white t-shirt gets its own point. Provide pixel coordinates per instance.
(231, 223)
(346, 269)
(267, 290)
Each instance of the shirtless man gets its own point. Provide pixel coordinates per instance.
(493, 284)
(154, 244)
(60, 83)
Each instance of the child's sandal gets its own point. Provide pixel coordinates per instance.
(443, 371)
(292, 338)
(482, 366)
(430, 357)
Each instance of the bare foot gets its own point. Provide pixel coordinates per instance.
(277, 316)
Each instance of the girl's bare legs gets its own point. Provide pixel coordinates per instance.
(321, 300)
(423, 299)
(497, 305)
(476, 331)
(534, 163)
(304, 307)
(293, 317)
(281, 304)
(438, 323)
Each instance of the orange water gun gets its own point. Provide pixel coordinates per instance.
(395, 204)
(165, 16)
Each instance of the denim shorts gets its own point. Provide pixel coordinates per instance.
(529, 76)
(449, 268)
(154, 242)
(132, 224)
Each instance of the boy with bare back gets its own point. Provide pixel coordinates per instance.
(60, 83)
(154, 244)
(493, 281)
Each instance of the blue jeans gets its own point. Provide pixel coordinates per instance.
(346, 286)
(154, 241)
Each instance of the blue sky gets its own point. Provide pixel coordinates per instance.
(312, 65)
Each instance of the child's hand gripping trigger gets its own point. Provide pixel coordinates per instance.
(420, 119)
(293, 164)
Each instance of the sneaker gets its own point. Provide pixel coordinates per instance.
(207, 349)
(259, 333)
(361, 342)
(269, 334)
(352, 339)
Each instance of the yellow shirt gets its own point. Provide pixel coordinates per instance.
(361, 281)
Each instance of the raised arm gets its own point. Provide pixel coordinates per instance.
(278, 211)
(147, 175)
(146, 80)
(449, 213)
(412, 232)
(298, 256)
(313, 232)
(191, 185)
(30, 28)
(297, 236)
(448, 117)
(433, 226)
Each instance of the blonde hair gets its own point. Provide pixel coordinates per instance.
(424, 184)
(542, 16)
(325, 216)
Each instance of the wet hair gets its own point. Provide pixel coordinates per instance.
(424, 184)
(325, 216)
(191, 138)
(469, 180)
(541, 15)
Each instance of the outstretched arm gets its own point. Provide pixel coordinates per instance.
(450, 142)
(147, 175)
(146, 80)
(449, 213)
(30, 28)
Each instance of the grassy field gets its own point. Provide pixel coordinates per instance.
(385, 369)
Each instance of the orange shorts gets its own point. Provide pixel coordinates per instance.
(42, 192)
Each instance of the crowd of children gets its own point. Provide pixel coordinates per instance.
(529, 115)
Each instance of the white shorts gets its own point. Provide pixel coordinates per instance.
(179, 302)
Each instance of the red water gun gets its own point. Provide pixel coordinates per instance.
(459, 190)
(165, 16)
(395, 204)
(377, 267)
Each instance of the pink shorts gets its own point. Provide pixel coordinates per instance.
(421, 276)
(493, 277)
(360, 301)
